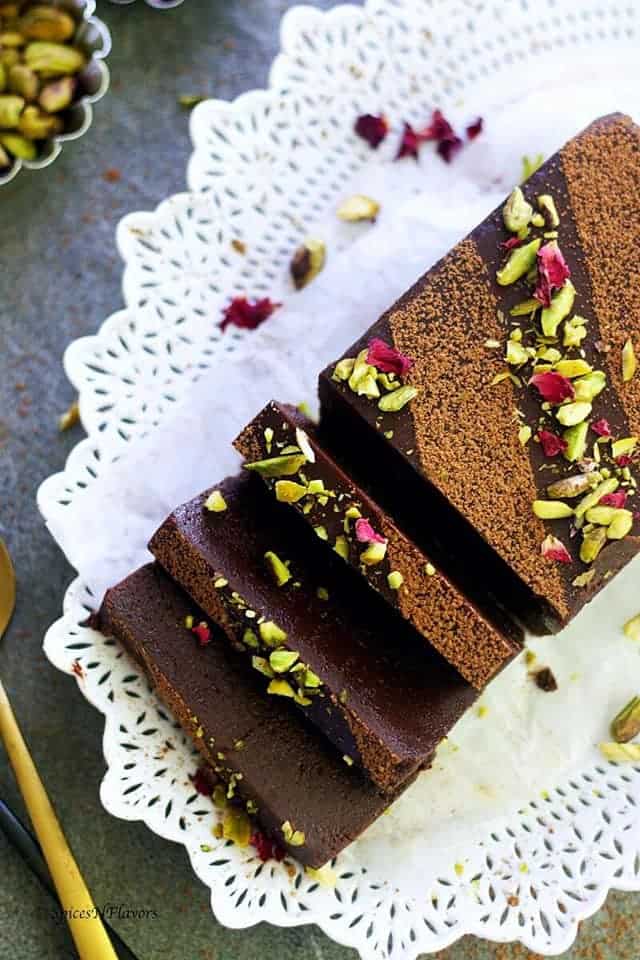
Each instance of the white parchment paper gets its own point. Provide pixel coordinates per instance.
(525, 741)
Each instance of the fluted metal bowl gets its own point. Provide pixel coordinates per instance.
(94, 39)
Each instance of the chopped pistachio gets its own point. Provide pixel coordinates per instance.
(393, 402)
(516, 212)
(188, 622)
(516, 354)
(288, 491)
(358, 207)
(592, 544)
(590, 386)
(215, 502)
(325, 876)
(621, 525)
(387, 381)
(342, 547)
(281, 688)
(348, 760)
(351, 514)
(525, 307)
(307, 262)
(295, 838)
(321, 532)
(281, 661)
(610, 485)
(220, 582)
(374, 553)
(572, 368)
(311, 679)
(236, 826)
(282, 466)
(315, 487)
(631, 628)
(547, 206)
(219, 796)
(343, 369)
(551, 509)
(602, 516)
(583, 579)
(629, 362)
(322, 593)
(262, 666)
(69, 418)
(250, 639)
(363, 379)
(569, 414)
(519, 262)
(493, 344)
(430, 570)
(561, 306)
(574, 332)
(395, 580)
(537, 220)
(279, 569)
(570, 487)
(271, 634)
(268, 438)
(524, 435)
(530, 165)
(623, 447)
(550, 354)
(576, 440)
(621, 752)
(626, 724)
(302, 440)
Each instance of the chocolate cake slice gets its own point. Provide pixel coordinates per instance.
(360, 532)
(494, 409)
(283, 771)
(315, 637)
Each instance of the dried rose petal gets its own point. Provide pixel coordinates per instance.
(448, 148)
(387, 359)
(552, 386)
(246, 314)
(551, 443)
(409, 143)
(624, 460)
(266, 849)
(554, 549)
(203, 633)
(617, 499)
(511, 243)
(372, 129)
(475, 129)
(438, 129)
(601, 427)
(366, 534)
(202, 781)
(552, 272)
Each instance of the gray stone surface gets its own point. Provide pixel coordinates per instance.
(59, 278)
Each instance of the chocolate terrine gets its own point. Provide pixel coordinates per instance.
(358, 530)
(494, 408)
(282, 770)
(315, 636)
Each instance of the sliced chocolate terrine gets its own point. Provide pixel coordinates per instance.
(280, 769)
(317, 638)
(494, 408)
(358, 530)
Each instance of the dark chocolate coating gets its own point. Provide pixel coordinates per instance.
(387, 699)
(287, 767)
(478, 646)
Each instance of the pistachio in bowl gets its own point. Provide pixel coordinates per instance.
(51, 71)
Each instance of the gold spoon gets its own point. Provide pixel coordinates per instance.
(90, 937)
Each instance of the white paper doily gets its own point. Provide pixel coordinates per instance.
(265, 168)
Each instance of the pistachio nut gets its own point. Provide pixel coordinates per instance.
(53, 59)
(307, 262)
(610, 485)
(516, 212)
(374, 553)
(343, 369)
(572, 368)
(516, 354)
(551, 509)
(281, 688)
(295, 838)
(279, 569)
(561, 306)
(11, 39)
(395, 580)
(42, 22)
(58, 94)
(631, 628)
(524, 435)
(262, 666)
(621, 752)
(629, 362)
(271, 634)
(9, 56)
(342, 547)
(358, 207)
(537, 220)
(281, 661)
(550, 354)
(621, 525)
(570, 487)
(592, 543)
(393, 402)
(525, 307)
(236, 826)
(250, 640)
(321, 532)
(363, 371)
(548, 209)
(18, 146)
(387, 381)
(590, 386)
(23, 81)
(282, 466)
(520, 261)
(574, 332)
(623, 447)
(576, 440)
(569, 414)
(11, 106)
(602, 516)
(288, 491)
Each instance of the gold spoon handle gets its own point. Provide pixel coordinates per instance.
(90, 937)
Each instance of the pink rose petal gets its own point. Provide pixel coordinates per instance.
(552, 272)
(552, 386)
(554, 549)
(387, 359)
(366, 534)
